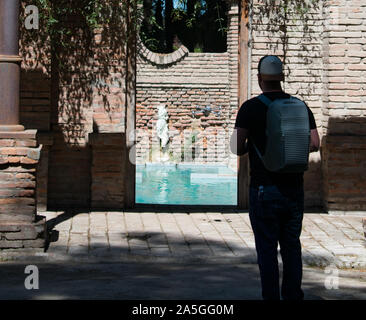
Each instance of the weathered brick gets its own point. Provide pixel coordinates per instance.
(7, 143)
(16, 193)
(27, 134)
(23, 176)
(7, 227)
(17, 201)
(14, 151)
(37, 243)
(14, 159)
(27, 160)
(25, 234)
(25, 143)
(6, 244)
(4, 159)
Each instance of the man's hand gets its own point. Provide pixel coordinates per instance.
(238, 140)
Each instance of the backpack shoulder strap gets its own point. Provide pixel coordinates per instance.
(258, 153)
(265, 100)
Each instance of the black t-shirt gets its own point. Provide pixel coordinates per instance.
(252, 116)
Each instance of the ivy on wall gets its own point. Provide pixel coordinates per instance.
(85, 45)
(61, 20)
(278, 18)
(200, 25)
(66, 44)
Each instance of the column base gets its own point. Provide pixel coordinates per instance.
(16, 235)
(20, 227)
(11, 128)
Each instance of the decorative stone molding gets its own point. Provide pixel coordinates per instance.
(161, 59)
(10, 58)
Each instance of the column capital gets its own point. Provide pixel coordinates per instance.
(10, 58)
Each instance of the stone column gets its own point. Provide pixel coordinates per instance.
(233, 51)
(234, 48)
(9, 66)
(19, 150)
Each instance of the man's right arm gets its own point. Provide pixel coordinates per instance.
(314, 140)
(238, 141)
(314, 135)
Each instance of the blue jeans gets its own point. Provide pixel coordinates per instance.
(276, 215)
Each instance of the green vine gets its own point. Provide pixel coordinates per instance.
(60, 19)
(83, 47)
(200, 25)
(279, 19)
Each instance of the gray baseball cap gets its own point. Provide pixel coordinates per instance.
(271, 69)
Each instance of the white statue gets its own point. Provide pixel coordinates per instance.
(162, 126)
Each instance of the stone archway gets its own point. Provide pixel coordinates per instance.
(237, 52)
(161, 59)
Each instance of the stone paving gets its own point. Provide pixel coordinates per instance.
(195, 236)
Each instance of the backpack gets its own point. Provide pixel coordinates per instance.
(288, 135)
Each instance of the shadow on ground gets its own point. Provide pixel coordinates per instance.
(140, 280)
(115, 274)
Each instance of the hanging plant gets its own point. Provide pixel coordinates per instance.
(60, 20)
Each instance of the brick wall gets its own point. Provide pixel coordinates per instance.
(86, 94)
(35, 99)
(344, 148)
(184, 81)
(35, 112)
(302, 53)
(199, 80)
(325, 66)
(90, 97)
(107, 170)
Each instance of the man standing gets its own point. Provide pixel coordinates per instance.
(276, 199)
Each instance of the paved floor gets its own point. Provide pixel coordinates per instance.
(214, 236)
(155, 281)
(166, 255)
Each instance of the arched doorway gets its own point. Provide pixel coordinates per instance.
(154, 65)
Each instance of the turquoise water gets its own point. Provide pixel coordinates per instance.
(186, 184)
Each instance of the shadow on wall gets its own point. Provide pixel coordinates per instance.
(344, 164)
(313, 185)
(88, 71)
(74, 75)
(35, 99)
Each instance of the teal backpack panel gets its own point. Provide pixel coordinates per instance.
(288, 135)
